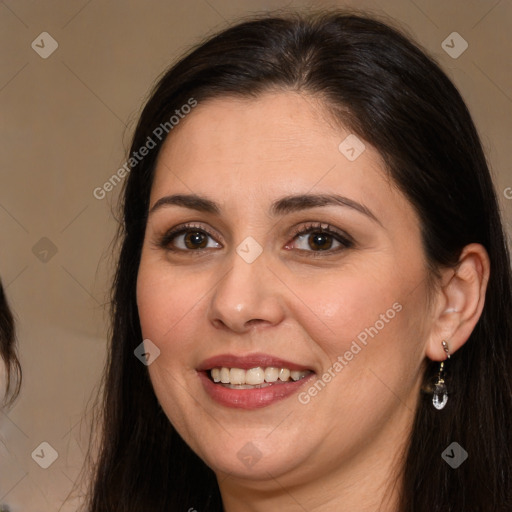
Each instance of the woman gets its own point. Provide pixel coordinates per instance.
(313, 255)
(10, 371)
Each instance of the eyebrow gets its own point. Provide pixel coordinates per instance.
(282, 206)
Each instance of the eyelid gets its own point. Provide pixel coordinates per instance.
(321, 227)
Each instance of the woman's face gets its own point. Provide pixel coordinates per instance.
(247, 287)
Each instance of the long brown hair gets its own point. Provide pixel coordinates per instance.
(391, 94)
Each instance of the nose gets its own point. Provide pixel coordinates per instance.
(248, 296)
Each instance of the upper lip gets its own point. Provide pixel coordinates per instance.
(248, 361)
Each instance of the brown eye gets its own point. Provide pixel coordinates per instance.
(320, 241)
(320, 238)
(195, 240)
(189, 239)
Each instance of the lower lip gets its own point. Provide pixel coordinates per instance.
(251, 398)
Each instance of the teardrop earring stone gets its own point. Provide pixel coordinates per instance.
(440, 396)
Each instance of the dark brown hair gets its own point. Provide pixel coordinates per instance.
(8, 351)
(386, 90)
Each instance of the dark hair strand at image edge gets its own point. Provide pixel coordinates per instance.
(8, 352)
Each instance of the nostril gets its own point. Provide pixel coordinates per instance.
(254, 321)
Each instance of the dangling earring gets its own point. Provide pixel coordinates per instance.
(440, 396)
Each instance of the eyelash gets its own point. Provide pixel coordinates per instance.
(345, 240)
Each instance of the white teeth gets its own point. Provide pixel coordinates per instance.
(245, 379)
(271, 374)
(295, 375)
(224, 375)
(255, 376)
(216, 374)
(237, 376)
(284, 374)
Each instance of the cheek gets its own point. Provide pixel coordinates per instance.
(169, 303)
(367, 327)
(371, 345)
(347, 305)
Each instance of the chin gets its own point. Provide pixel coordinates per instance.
(256, 460)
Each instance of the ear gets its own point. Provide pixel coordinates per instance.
(459, 302)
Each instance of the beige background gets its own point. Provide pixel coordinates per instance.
(65, 125)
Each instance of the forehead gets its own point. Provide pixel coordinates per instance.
(254, 149)
(278, 117)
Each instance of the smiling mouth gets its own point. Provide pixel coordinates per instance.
(254, 378)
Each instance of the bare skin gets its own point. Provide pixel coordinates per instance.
(338, 450)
